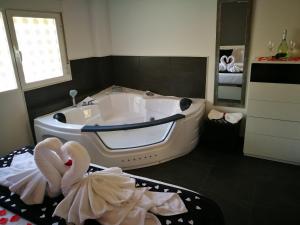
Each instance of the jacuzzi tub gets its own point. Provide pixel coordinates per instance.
(128, 128)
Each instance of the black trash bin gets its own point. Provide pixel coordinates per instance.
(221, 133)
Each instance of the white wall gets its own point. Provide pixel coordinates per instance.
(15, 130)
(77, 28)
(42, 5)
(86, 24)
(270, 18)
(99, 19)
(165, 28)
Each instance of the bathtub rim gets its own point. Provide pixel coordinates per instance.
(199, 103)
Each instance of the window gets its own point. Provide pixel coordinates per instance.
(7, 73)
(39, 48)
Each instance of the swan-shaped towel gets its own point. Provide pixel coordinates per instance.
(37, 177)
(232, 67)
(109, 196)
(223, 63)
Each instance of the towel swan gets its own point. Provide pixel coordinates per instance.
(223, 63)
(52, 164)
(232, 67)
(109, 196)
(43, 178)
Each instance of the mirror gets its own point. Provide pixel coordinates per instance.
(232, 47)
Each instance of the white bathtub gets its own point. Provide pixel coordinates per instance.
(128, 128)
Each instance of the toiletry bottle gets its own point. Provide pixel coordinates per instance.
(282, 50)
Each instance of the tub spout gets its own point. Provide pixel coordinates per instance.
(116, 88)
(149, 93)
(73, 93)
(91, 102)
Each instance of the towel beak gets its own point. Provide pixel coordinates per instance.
(68, 163)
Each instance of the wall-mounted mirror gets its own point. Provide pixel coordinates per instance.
(232, 47)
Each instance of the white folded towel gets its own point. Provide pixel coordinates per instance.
(233, 117)
(232, 67)
(109, 196)
(34, 177)
(30, 185)
(215, 115)
(223, 63)
(23, 178)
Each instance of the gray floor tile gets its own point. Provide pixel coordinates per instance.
(248, 190)
(277, 215)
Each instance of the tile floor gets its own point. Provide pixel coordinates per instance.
(250, 191)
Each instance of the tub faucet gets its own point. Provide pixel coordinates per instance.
(149, 93)
(91, 102)
(116, 88)
(73, 93)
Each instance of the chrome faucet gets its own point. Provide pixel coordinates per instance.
(149, 93)
(116, 88)
(91, 102)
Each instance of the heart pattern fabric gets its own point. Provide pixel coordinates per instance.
(15, 210)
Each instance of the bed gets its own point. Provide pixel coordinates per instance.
(234, 79)
(201, 210)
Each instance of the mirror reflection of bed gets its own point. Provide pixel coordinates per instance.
(230, 76)
(232, 47)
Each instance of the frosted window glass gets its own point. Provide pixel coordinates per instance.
(38, 42)
(7, 74)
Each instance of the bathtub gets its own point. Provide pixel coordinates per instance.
(128, 128)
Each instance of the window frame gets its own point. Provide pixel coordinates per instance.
(9, 14)
(12, 54)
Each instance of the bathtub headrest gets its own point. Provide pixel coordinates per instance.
(185, 103)
(60, 117)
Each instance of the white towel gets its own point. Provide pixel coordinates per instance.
(109, 196)
(223, 63)
(26, 179)
(113, 199)
(215, 115)
(232, 66)
(30, 185)
(233, 117)
(49, 158)
(19, 164)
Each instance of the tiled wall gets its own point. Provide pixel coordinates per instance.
(178, 76)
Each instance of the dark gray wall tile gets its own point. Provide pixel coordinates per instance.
(179, 76)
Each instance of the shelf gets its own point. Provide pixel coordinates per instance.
(267, 60)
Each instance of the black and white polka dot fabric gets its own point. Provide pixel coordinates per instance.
(201, 210)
